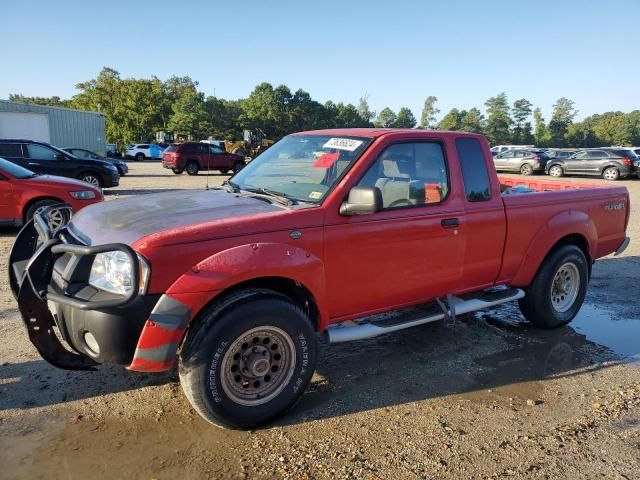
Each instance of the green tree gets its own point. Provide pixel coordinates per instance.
(540, 129)
(429, 112)
(498, 120)
(405, 119)
(189, 117)
(386, 118)
(521, 112)
(473, 121)
(364, 110)
(452, 120)
(54, 101)
(562, 116)
(347, 116)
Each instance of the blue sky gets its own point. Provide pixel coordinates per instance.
(396, 52)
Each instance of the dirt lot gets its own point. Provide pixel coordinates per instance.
(488, 397)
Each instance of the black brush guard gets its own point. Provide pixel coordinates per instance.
(31, 262)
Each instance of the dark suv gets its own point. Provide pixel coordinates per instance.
(609, 163)
(41, 157)
(193, 157)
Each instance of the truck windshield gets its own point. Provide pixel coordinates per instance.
(301, 167)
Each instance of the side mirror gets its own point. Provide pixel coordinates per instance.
(59, 157)
(362, 201)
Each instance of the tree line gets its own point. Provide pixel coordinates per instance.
(135, 109)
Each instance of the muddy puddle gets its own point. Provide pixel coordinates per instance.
(621, 335)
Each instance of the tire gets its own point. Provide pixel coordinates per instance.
(177, 171)
(192, 168)
(611, 174)
(556, 171)
(54, 219)
(546, 303)
(526, 169)
(92, 179)
(139, 157)
(223, 374)
(237, 167)
(224, 171)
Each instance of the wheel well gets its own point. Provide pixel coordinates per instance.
(295, 291)
(34, 200)
(577, 240)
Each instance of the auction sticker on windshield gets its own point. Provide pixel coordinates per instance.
(348, 144)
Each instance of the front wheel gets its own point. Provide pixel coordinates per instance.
(177, 171)
(611, 173)
(557, 291)
(248, 359)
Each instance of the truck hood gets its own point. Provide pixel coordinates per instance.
(129, 219)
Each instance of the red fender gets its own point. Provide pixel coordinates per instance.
(570, 222)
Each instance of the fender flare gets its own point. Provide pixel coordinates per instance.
(564, 224)
(164, 331)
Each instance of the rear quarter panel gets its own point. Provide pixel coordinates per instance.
(537, 221)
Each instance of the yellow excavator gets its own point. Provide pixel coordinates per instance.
(255, 142)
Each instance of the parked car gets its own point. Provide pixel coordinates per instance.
(193, 157)
(121, 165)
(559, 153)
(503, 148)
(524, 161)
(322, 228)
(24, 193)
(41, 157)
(608, 163)
(112, 150)
(143, 151)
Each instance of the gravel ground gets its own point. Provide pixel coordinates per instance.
(487, 397)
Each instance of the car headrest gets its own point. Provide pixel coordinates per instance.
(397, 167)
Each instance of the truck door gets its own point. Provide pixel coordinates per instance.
(412, 250)
(485, 221)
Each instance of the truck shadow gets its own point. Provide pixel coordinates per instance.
(493, 350)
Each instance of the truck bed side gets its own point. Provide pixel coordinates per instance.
(594, 216)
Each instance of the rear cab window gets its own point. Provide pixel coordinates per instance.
(477, 185)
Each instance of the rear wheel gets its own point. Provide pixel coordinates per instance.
(611, 173)
(556, 171)
(177, 171)
(139, 157)
(248, 360)
(557, 291)
(192, 168)
(91, 178)
(526, 169)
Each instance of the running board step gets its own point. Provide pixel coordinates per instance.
(468, 303)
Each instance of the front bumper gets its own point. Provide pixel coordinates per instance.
(112, 180)
(45, 272)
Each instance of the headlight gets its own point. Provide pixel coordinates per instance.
(113, 272)
(83, 195)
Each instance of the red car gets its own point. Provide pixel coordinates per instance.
(192, 157)
(314, 237)
(24, 193)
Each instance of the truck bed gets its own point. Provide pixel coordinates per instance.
(538, 218)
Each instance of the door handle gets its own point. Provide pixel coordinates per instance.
(33, 163)
(450, 223)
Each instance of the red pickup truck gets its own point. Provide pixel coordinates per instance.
(316, 236)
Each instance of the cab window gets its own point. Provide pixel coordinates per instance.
(409, 174)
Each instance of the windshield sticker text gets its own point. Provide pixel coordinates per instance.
(348, 144)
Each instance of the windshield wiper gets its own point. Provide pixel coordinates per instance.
(277, 196)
